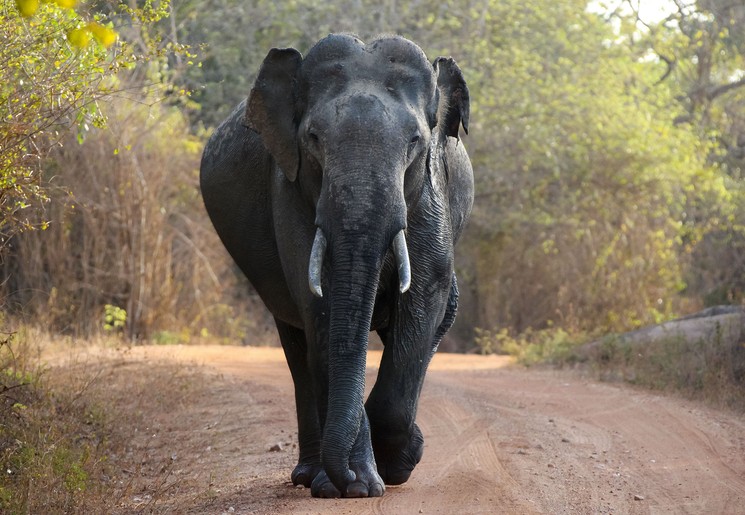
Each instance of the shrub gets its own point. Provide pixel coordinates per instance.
(130, 238)
(531, 347)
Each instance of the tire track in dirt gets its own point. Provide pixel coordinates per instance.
(497, 440)
(635, 444)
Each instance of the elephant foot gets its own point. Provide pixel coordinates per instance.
(396, 457)
(305, 473)
(323, 487)
(367, 483)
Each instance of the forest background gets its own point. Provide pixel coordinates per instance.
(608, 152)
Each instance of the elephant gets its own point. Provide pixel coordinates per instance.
(340, 187)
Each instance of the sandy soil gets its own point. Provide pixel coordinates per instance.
(498, 439)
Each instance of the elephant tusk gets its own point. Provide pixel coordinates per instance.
(402, 261)
(316, 263)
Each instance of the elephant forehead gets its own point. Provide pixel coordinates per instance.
(342, 59)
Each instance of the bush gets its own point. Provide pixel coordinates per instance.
(47, 443)
(706, 363)
(530, 347)
(130, 232)
(66, 433)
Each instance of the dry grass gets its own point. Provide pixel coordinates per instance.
(129, 234)
(79, 434)
(702, 358)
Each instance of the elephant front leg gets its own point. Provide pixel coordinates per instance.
(309, 429)
(397, 440)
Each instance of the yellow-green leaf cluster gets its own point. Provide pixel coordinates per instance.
(55, 65)
(28, 8)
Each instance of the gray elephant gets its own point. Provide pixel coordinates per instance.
(340, 188)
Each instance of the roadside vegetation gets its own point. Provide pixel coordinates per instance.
(74, 437)
(700, 357)
(608, 151)
(609, 154)
(710, 370)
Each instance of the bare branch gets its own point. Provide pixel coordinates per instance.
(670, 67)
(717, 91)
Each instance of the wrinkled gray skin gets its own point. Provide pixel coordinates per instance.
(356, 143)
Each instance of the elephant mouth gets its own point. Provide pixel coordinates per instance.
(318, 253)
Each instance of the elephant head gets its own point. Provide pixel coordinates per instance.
(354, 126)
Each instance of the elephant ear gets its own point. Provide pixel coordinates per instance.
(270, 110)
(455, 104)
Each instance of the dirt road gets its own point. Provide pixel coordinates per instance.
(498, 439)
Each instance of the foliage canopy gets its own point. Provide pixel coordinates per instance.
(608, 148)
(56, 65)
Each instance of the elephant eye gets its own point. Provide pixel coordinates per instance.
(313, 141)
(413, 142)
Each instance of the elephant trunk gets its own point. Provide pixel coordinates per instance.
(318, 253)
(354, 245)
(360, 213)
(353, 285)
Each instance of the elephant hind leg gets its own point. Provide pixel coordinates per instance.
(309, 430)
